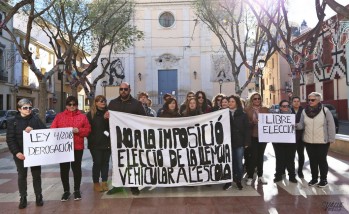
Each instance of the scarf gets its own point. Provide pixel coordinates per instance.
(313, 111)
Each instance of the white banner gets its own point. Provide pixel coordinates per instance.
(164, 152)
(277, 128)
(48, 146)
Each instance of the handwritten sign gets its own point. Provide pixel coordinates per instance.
(48, 146)
(276, 128)
(167, 152)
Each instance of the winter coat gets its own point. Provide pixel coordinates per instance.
(14, 134)
(130, 105)
(74, 119)
(191, 113)
(239, 129)
(97, 139)
(320, 129)
(169, 114)
(249, 111)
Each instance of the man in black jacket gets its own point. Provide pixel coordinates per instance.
(125, 103)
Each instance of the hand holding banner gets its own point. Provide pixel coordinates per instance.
(48, 146)
(276, 128)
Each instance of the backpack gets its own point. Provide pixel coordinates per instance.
(336, 122)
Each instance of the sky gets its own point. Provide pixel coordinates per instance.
(305, 10)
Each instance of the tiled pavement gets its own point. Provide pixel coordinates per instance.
(283, 197)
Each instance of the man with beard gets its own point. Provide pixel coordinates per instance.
(125, 103)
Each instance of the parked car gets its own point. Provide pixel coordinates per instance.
(50, 115)
(332, 110)
(5, 115)
(275, 108)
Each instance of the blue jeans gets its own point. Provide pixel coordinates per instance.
(238, 154)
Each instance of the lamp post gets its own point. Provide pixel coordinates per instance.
(61, 67)
(220, 81)
(104, 84)
(261, 65)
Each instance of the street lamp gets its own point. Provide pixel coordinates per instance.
(61, 67)
(261, 65)
(220, 81)
(104, 84)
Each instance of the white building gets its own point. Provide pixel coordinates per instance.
(178, 54)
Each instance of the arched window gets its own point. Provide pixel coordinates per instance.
(166, 19)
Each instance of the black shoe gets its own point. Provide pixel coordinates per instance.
(293, 180)
(39, 201)
(227, 186)
(65, 196)
(312, 183)
(300, 174)
(135, 191)
(22, 202)
(239, 185)
(277, 179)
(77, 195)
(322, 183)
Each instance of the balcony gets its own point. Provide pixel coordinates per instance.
(3, 78)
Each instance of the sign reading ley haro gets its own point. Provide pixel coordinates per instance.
(276, 128)
(48, 146)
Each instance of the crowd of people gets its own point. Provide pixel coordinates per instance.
(314, 124)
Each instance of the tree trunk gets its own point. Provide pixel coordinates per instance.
(296, 86)
(42, 100)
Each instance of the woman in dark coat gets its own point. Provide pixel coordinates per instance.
(99, 143)
(170, 108)
(26, 121)
(240, 138)
(191, 108)
(285, 152)
(297, 109)
(203, 106)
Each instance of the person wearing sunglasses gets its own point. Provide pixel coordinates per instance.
(255, 153)
(99, 143)
(26, 121)
(72, 117)
(319, 133)
(285, 152)
(127, 104)
(203, 102)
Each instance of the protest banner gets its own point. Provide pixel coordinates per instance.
(165, 152)
(276, 128)
(48, 146)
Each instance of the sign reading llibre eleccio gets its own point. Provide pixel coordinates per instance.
(48, 146)
(276, 128)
